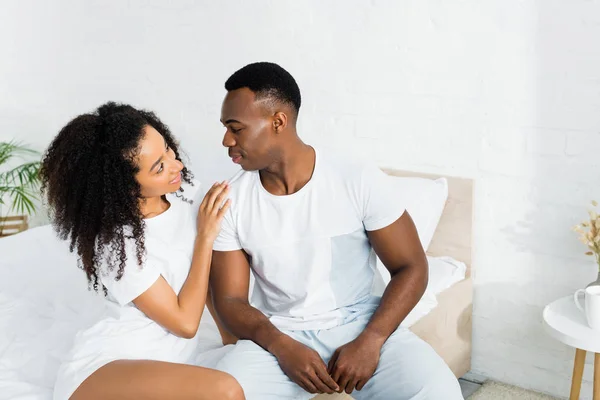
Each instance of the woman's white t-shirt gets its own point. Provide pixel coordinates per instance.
(125, 332)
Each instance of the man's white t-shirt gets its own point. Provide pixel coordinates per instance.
(309, 251)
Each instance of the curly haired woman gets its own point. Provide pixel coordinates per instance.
(118, 191)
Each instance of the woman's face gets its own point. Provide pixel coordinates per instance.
(160, 172)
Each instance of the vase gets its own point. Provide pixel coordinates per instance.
(597, 281)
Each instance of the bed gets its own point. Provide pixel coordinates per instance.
(43, 302)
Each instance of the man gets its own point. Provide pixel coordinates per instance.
(305, 222)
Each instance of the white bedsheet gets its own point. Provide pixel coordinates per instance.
(44, 302)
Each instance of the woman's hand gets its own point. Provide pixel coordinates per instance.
(210, 213)
(181, 313)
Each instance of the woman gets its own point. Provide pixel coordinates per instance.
(117, 189)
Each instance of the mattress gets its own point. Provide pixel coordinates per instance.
(44, 301)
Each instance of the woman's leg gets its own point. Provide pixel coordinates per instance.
(143, 379)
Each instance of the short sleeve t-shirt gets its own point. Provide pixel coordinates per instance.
(309, 251)
(169, 240)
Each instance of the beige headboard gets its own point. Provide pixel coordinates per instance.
(453, 235)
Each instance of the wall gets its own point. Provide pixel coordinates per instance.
(506, 92)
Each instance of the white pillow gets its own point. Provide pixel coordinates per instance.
(444, 272)
(427, 303)
(424, 199)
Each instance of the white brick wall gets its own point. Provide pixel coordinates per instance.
(505, 91)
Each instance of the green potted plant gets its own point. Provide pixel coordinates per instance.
(19, 186)
(589, 234)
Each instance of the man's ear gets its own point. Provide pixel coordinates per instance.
(280, 121)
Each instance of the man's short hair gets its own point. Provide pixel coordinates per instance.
(267, 80)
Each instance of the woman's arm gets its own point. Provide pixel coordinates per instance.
(181, 314)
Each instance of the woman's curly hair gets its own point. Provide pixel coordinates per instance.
(88, 176)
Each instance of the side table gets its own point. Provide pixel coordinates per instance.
(566, 323)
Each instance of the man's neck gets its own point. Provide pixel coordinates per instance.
(291, 171)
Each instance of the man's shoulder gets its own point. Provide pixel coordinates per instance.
(345, 165)
(241, 179)
(240, 184)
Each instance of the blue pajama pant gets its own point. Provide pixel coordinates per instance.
(408, 368)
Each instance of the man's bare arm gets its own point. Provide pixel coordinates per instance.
(400, 250)
(229, 280)
(226, 336)
(397, 245)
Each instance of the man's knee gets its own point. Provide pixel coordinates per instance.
(411, 368)
(233, 364)
(420, 385)
(247, 363)
(258, 373)
(435, 380)
(442, 385)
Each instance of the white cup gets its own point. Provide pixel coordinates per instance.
(592, 305)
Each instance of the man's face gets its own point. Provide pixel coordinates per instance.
(249, 136)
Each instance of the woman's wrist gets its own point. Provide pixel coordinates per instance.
(204, 241)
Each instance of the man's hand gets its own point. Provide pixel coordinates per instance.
(353, 364)
(303, 365)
